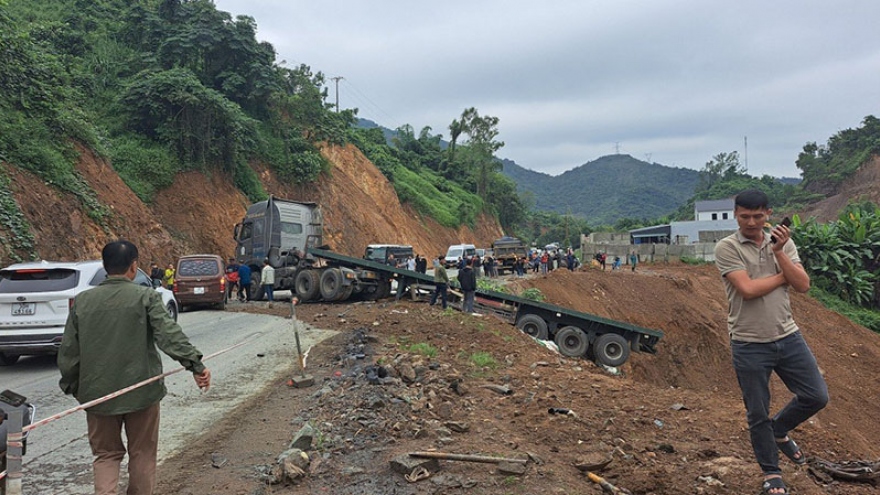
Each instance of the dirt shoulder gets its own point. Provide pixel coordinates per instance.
(671, 423)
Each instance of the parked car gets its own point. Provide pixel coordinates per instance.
(457, 251)
(35, 299)
(201, 279)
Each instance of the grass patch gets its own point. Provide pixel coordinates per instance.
(690, 260)
(483, 360)
(423, 348)
(868, 318)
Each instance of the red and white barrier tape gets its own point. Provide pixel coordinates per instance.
(113, 395)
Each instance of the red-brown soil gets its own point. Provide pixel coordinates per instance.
(196, 214)
(860, 187)
(703, 448)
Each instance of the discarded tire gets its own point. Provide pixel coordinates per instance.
(533, 325)
(306, 285)
(331, 284)
(611, 349)
(572, 341)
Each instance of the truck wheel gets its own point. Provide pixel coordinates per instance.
(331, 284)
(533, 325)
(345, 293)
(257, 292)
(8, 359)
(611, 349)
(384, 289)
(307, 285)
(572, 341)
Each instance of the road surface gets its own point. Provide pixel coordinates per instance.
(58, 459)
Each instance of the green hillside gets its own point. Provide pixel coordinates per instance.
(608, 189)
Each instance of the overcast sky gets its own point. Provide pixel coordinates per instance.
(674, 81)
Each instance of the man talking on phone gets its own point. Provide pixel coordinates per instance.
(758, 268)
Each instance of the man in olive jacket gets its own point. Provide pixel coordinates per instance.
(110, 343)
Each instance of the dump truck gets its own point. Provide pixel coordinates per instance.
(506, 251)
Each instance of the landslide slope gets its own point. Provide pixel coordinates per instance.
(197, 213)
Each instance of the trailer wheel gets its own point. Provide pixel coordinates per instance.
(331, 284)
(306, 285)
(572, 341)
(611, 349)
(533, 325)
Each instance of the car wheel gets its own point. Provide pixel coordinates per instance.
(222, 304)
(172, 310)
(8, 359)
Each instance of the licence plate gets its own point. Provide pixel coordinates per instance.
(24, 309)
(198, 290)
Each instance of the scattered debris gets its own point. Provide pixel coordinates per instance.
(679, 407)
(466, 457)
(501, 389)
(218, 461)
(606, 486)
(709, 480)
(406, 464)
(562, 410)
(593, 462)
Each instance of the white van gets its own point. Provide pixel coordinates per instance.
(457, 251)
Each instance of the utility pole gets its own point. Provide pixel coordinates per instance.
(336, 80)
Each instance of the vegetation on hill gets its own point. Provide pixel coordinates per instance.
(451, 183)
(641, 189)
(824, 167)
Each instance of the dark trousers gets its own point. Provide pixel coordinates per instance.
(796, 366)
(244, 292)
(441, 291)
(468, 304)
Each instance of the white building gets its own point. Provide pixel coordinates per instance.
(713, 209)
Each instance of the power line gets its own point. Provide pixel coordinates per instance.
(374, 106)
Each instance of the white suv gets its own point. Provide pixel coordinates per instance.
(35, 299)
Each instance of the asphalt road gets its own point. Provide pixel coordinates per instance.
(58, 459)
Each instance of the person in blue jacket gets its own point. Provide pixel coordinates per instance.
(244, 283)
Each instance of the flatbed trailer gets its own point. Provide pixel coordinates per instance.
(576, 334)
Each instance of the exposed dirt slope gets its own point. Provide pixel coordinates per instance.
(197, 213)
(702, 448)
(864, 185)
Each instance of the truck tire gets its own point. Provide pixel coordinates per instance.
(345, 293)
(611, 349)
(572, 341)
(307, 285)
(257, 292)
(384, 289)
(331, 284)
(533, 325)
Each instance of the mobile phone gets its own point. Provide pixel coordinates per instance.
(785, 221)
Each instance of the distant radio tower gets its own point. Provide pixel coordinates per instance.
(746, 144)
(617, 147)
(648, 157)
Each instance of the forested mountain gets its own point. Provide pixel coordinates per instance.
(608, 189)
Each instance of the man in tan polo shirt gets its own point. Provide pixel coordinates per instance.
(758, 270)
